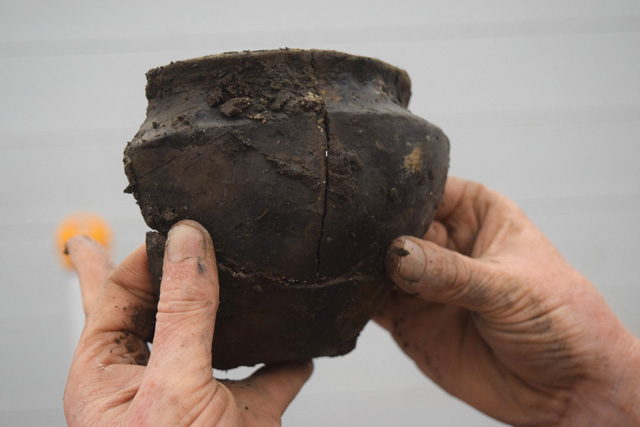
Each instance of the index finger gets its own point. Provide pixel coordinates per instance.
(93, 265)
(463, 209)
(459, 196)
(124, 317)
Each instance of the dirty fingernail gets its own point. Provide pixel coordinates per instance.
(184, 242)
(410, 261)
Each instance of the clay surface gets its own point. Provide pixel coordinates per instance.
(303, 166)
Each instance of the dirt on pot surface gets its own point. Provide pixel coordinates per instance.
(303, 166)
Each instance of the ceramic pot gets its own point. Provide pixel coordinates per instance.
(303, 166)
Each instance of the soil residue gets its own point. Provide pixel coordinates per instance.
(413, 162)
(400, 252)
(303, 167)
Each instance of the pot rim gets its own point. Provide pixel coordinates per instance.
(327, 64)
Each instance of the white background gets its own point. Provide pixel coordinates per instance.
(541, 100)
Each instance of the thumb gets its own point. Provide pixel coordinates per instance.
(434, 273)
(187, 305)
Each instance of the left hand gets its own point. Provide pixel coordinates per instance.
(115, 380)
(489, 310)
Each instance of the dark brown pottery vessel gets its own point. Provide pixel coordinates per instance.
(303, 166)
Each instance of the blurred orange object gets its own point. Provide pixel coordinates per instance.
(79, 224)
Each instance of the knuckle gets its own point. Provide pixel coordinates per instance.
(457, 276)
(462, 282)
(185, 298)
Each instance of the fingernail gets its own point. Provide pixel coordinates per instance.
(184, 242)
(410, 262)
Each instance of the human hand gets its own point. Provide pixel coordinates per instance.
(115, 380)
(490, 311)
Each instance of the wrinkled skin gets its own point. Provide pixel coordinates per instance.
(490, 311)
(115, 380)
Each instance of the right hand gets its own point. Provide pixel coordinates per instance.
(491, 312)
(115, 380)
